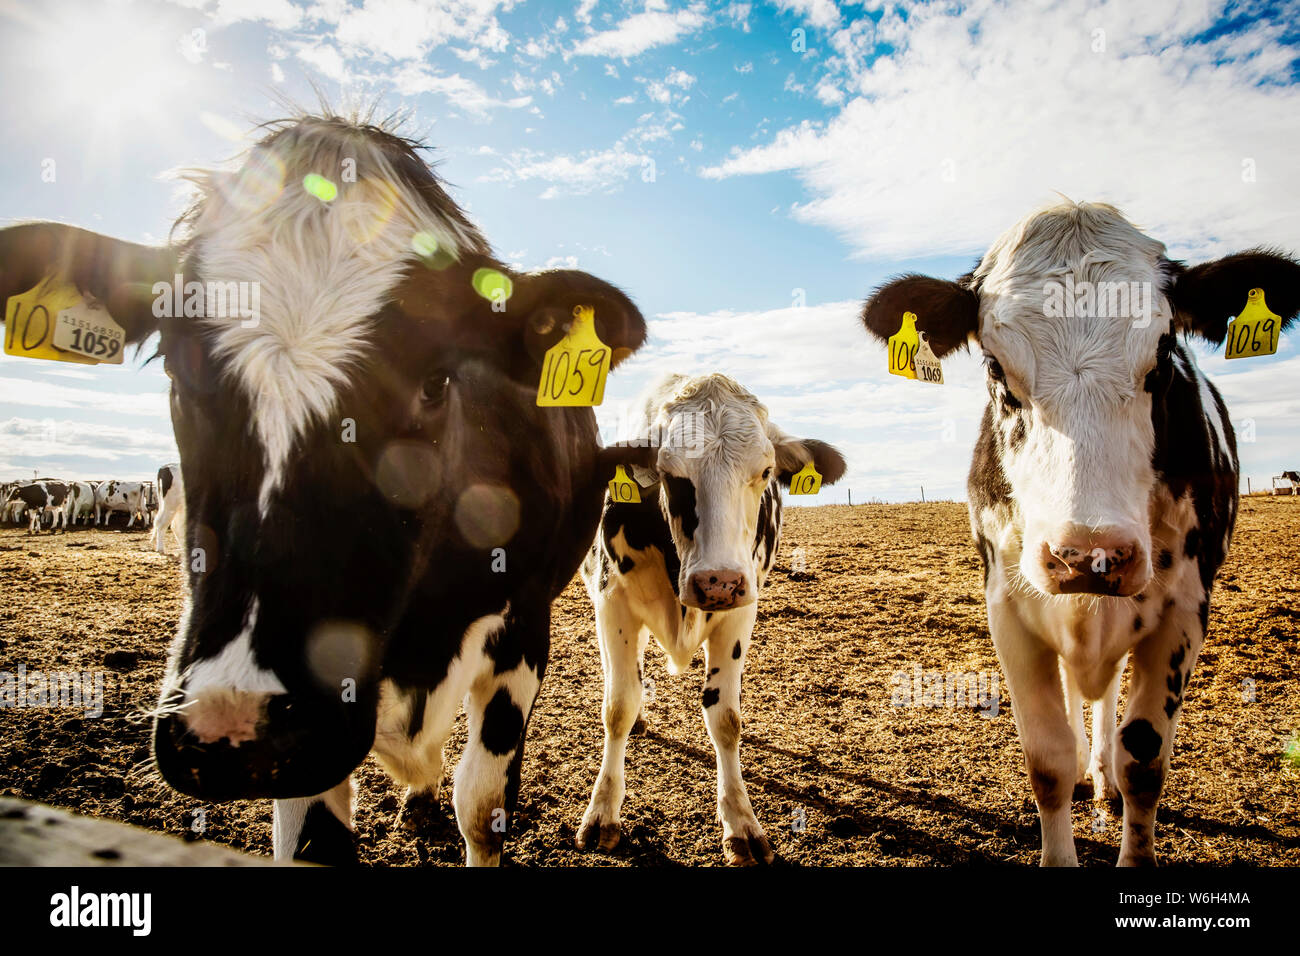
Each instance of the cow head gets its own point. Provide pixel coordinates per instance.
(1076, 312)
(357, 445)
(717, 456)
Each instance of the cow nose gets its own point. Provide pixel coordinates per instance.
(224, 714)
(717, 590)
(1094, 562)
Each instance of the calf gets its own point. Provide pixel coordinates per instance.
(1103, 489)
(172, 511)
(129, 497)
(378, 514)
(687, 564)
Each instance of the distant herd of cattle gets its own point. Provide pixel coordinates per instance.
(55, 504)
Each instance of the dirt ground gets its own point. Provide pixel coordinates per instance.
(837, 774)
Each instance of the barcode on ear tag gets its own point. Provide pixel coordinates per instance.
(902, 348)
(928, 368)
(1255, 331)
(806, 481)
(622, 488)
(32, 318)
(574, 370)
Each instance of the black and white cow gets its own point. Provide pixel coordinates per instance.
(687, 564)
(172, 512)
(44, 496)
(129, 497)
(378, 514)
(79, 503)
(1103, 489)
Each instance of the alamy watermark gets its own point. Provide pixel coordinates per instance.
(1125, 300)
(977, 690)
(22, 689)
(208, 300)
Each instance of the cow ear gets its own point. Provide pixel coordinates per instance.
(548, 299)
(119, 274)
(1208, 296)
(948, 312)
(792, 454)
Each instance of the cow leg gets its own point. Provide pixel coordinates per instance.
(316, 829)
(1075, 709)
(743, 841)
(1101, 768)
(619, 633)
(1162, 665)
(164, 522)
(1038, 702)
(497, 709)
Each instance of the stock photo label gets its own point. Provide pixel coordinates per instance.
(573, 373)
(1255, 331)
(37, 324)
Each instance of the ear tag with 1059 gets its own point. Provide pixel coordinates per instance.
(574, 370)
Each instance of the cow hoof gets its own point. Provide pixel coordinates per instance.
(420, 811)
(749, 850)
(597, 835)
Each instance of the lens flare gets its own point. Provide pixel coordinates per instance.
(493, 285)
(487, 515)
(320, 187)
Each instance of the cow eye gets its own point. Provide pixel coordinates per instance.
(767, 473)
(434, 389)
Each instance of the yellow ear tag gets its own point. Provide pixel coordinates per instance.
(623, 489)
(1255, 331)
(902, 347)
(52, 321)
(574, 371)
(806, 481)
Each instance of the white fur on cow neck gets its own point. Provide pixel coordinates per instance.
(324, 269)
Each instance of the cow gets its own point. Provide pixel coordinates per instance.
(378, 512)
(11, 506)
(79, 503)
(687, 564)
(1102, 488)
(44, 496)
(172, 511)
(130, 497)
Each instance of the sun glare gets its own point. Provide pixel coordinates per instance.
(109, 63)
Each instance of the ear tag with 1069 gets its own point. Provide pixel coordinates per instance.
(1255, 331)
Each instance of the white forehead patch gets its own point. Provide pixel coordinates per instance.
(1072, 296)
(322, 268)
(706, 418)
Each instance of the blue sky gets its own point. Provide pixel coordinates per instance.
(745, 182)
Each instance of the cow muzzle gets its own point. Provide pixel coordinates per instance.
(718, 590)
(1085, 561)
(226, 744)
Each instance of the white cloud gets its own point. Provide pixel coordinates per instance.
(464, 93)
(46, 441)
(26, 392)
(408, 29)
(280, 14)
(325, 58)
(818, 13)
(586, 172)
(974, 119)
(642, 31)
